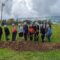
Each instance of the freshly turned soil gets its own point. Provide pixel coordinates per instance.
(29, 46)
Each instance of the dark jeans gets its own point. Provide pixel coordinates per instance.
(21, 34)
(6, 36)
(25, 36)
(42, 37)
(36, 36)
(31, 36)
(14, 36)
(48, 37)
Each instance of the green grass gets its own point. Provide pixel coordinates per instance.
(6, 54)
(55, 35)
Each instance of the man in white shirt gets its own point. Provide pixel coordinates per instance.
(20, 30)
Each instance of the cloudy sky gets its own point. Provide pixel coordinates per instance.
(30, 8)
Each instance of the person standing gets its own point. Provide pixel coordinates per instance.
(14, 32)
(43, 32)
(7, 32)
(48, 33)
(31, 31)
(36, 33)
(20, 30)
(25, 31)
(1, 32)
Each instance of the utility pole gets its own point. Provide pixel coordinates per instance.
(2, 6)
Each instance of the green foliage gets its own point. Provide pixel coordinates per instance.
(56, 33)
(6, 54)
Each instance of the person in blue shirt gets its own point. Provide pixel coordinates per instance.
(48, 33)
(25, 31)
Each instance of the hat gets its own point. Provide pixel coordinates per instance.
(25, 23)
(5, 25)
(41, 25)
(13, 24)
(19, 24)
(36, 23)
(47, 25)
(31, 24)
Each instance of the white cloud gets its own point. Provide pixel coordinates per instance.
(30, 8)
(23, 8)
(55, 9)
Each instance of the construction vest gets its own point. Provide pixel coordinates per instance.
(14, 29)
(31, 30)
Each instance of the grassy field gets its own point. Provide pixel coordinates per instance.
(55, 34)
(6, 54)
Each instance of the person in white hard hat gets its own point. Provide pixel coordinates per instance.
(20, 30)
(36, 34)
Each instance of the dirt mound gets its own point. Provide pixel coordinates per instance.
(29, 46)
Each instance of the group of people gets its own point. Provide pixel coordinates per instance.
(28, 32)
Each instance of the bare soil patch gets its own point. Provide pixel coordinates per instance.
(29, 46)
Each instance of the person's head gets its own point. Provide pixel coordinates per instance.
(31, 24)
(25, 23)
(5, 25)
(43, 25)
(19, 25)
(13, 25)
(47, 25)
(36, 23)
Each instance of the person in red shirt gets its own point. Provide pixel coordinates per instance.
(31, 31)
(14, 32)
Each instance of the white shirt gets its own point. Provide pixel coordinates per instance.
(20, 29)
